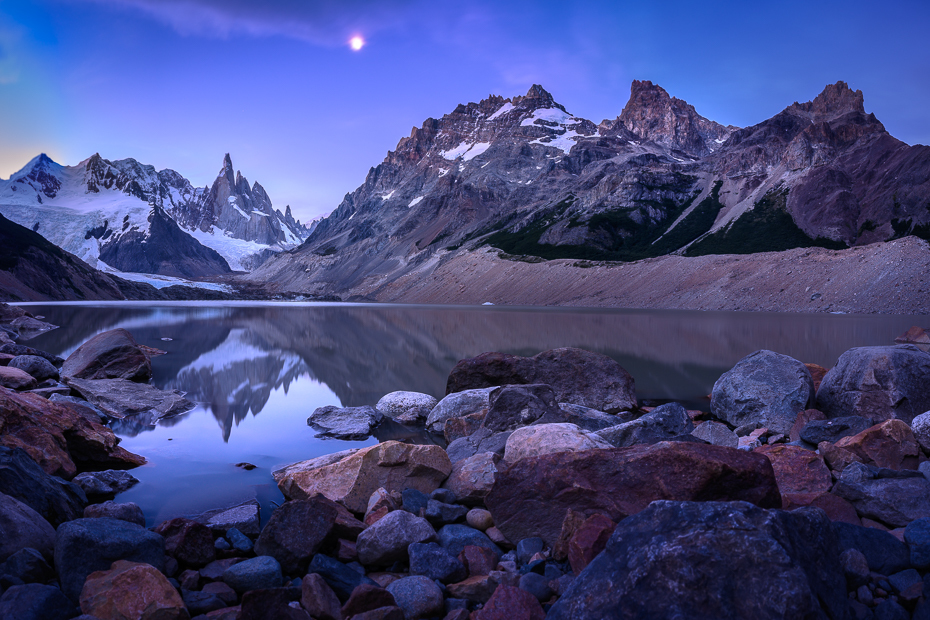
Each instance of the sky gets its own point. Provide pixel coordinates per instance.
(278, 85)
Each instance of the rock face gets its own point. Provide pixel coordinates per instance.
(577, 376)
(754, 563)
(350, 477)
(132, 590)
(764, 387)
(878, 383)
(113, 354)
(531, 497)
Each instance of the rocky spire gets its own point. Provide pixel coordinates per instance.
(835, 101)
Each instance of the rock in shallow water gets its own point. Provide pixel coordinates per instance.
(345, 422)
(398, 404)
(119, 398)
(112, 354)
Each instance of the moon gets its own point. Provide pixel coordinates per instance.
(356, 43)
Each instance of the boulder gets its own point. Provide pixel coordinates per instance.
(472, 478)
(131, 590)
(754, 563)
(127, 511)
(661, 424)
(105, 484)
(187, 541)
(513, 406)
(510, 603)
(716, 433)
(892, 497)
(297, 531)
(803, 419)
(16, 379)
(483, 440)
(397, 404)
(35, 366)
(83, 546)
(54, 499)
(113, 354)
(458, 405)
(23, 527)
(345, 422)
(837, 508)
(119, 398)
(549, 438)
(433, 561)
(765, 388)
(386, 541)
(577, 376)
(28, 565)
(350, 477)
(417, 596)
(257, 573)
(878, 383)
(19, 349)
(798, 470)
(531, 497)
(885, 554)
(834, 429)
(319, 599)
(36, 602)
(889, 444)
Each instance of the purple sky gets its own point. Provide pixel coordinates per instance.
(178, 83)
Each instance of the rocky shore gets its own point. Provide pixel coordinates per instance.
(550, 493)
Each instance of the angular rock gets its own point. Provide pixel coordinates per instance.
(661, 424)
(367, 598)
(441, 513)
(457, 428)
(754, 563)
(478, 560)
(513, 406)
(417, 596)
(83, 546)
(379, 504)
(455, 537)
(433, 561)
(127, 511)
(54, 499)
(350, 477)
(885, 553)
(258, 573)
(764, 387)
(16, 379)
(837, 508)
(297, 531)
(319, 599)
(803, 419)
(892, 497)
(528, 548)
(386, 541)
(589, 540)
(472, 478)
(35, 366)
(119, 398)
(716, 433)
(577, 376)
(414, 501)
(482, 440)
(337, 575)
(798, 470)
(397, 404)
(131, 590)
(245, 517)
(477, 589)
(549, 438)
(345, 422)
(509, 603)
(834, 429)
(187, 541)
(878, 383)
(531, 497)
(79, 406)
(889, 444)
(113, 354)
(22, 527)
(105, 484)
(458, 405)
(36, 602)
(591, 419)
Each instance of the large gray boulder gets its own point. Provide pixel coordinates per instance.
(119, 398)
(83, 546)
(878, 383)
(661, 424)
(458, 405)
(113, 354)
(21, 527)
(718, 560)
(345, 422)
(37, 367)
(406, 404)
(764, 387)
(387, 540)
(895, 497)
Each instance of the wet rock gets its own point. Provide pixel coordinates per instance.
(28, 565)
(889, 496)
(455, 537)
(83, 546)
(589, 540)
(36, 602)
(531, 497)
(105, 484)
(350, 477)
(296, 532)
(258, 573)
(479, 518)
(37, 367)
(187, 541)
(127, 511)
(396, 404)
(367, 598)
(23, 527)
(337, 575)
(113, 354)
(577, 376)
(472, 478)
(272, 604)
(508, 603)
(345, 422)
(131, 590)
(661, 424)
(888, 444)
(458, 405)
(319, 599)
(798, 470)
(549, 438)
(119, 398)
(54, 499)
(834, 429)
(763, 387)
(433, 561)
(417, 596)
(755, 564)
(878, 383)
(387, 540)
(716, 433)
(16, 379)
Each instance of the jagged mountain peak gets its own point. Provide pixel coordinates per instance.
(39, 163)
(227, 169)
(834, 101)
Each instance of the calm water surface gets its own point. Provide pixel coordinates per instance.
(256, 371)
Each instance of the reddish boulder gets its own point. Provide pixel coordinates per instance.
(530, 497)
(818, 372)
(798, 470)
(188, 541)
(16, 379)
(114, 354)
(319, 599)
(509, 603)
(478, 560)
(131, 590)
(890, 444)
(589, 540)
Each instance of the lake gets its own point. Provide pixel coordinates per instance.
(256, 371)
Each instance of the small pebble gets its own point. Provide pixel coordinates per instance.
(479, 518)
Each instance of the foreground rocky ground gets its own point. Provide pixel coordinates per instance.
(802, 493)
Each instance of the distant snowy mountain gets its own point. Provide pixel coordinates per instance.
(126, 216)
